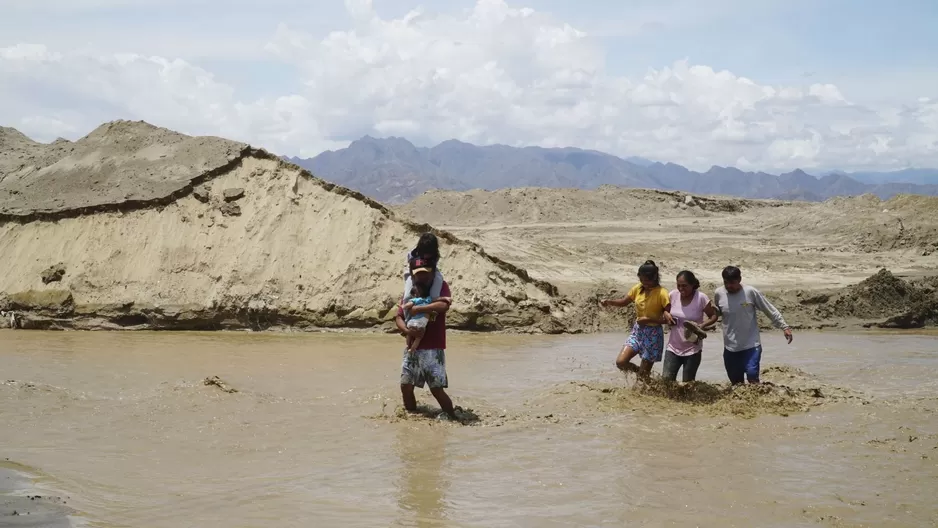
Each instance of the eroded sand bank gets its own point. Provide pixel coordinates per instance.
(138, 227)
(251, 243)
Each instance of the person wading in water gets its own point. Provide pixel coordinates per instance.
(652, 307)
(742, 344)
(689, 308)
(426, 364)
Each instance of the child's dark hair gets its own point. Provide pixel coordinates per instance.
(649, 270)
(690, 278)
(420, 289)
(428, 247)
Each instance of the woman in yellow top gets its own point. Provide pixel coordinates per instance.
(652, 309)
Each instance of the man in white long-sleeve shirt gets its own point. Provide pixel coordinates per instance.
(742, 346)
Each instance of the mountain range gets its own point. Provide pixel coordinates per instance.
(394, 171)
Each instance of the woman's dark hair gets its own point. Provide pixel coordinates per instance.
(732, 274)
(690, 278)
(649, 270)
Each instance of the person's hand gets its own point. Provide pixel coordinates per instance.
(788, 335)
(669, 319)
(604, 303)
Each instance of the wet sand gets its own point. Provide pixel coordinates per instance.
(125, 426)
(22, 504)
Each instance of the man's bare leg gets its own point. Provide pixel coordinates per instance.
(410, 401)
(445, 403)
(624, 361)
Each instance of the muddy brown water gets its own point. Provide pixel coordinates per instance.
(122, 428)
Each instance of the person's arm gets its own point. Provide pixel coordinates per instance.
(408, 306)
(665, 300)
(399, 320)
(771, 312)
(712, 317)
(401, 324)
(436, 289)
(623, 302)
(408, 284)
(440, 305)
(666, 317)
(618, 303)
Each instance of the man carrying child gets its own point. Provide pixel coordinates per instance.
(426, 363)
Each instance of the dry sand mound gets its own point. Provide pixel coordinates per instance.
(883, 301)
(215, 234)
(120, 163)
(863, 223)
(548, 205)
(868, 224)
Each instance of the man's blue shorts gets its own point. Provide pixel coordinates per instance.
(743, 363)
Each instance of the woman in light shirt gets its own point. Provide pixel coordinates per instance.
(689, 308)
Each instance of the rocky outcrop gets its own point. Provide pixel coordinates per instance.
(235, 193)
(201, 193)
(230, 209)
(53, 274)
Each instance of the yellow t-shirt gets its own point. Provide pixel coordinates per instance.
(649, 303)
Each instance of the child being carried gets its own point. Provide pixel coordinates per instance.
(420, 296)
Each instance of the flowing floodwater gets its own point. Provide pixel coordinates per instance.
(120, 430)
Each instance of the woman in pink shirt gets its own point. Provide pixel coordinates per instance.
(688, 304)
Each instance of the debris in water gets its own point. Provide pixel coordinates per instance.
(428, 414)
(799, 393)
(220, 383)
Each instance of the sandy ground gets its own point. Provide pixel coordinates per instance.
(593, 241)
(246, 242)
(121, 162)
(138, 227)
(23, 505)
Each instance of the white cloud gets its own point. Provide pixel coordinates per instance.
(492, 74)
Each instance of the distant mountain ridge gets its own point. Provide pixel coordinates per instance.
(395, 171)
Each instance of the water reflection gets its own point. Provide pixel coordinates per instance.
(422, 487)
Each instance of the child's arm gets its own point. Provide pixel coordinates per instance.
(618, 303)
(408, 305)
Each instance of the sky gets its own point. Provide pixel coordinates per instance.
(757, 84)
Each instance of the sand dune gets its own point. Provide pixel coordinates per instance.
(221, 235)
(123, 163)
